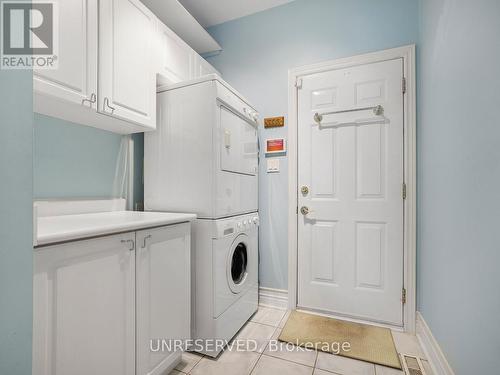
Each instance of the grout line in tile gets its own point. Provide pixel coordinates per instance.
(283, 318)
(287, 360)
(196, 364)
(264, 324)
(269, 340)
(257, 361)
(316, 359)
(273, 307)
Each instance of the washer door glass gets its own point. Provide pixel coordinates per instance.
(239, 263)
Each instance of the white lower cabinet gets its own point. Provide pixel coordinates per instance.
(84, 307)
(99, 302)
(163, 296)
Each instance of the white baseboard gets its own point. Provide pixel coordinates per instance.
(273, 297)
(431, 348)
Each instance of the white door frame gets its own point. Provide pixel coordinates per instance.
(407, 53)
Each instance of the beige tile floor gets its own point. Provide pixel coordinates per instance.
(266, 325)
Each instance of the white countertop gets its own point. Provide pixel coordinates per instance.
(54, 229)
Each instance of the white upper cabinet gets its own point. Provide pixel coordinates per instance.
(174, 56)
(112, 55)
(75, 79)
(127, 81)
(202, 67)
(176, 60)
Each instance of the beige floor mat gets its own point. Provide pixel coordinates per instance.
(367, 343)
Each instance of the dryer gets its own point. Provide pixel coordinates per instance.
(203, 157)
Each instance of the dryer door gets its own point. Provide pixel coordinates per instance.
(239, 146)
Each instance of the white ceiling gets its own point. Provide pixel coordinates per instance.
(173, 14)
(213, 12)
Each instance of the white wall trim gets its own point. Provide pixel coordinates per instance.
(431, 348)
(407, 53)
(273, 297)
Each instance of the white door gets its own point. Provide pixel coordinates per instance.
(350, 176)
(75, 79)
(163, 294)
(84, 307)
(127, 76)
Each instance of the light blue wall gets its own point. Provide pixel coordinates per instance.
(459, 179)
(16, 233)
(257, 52)
(72, 160)
(76, 161)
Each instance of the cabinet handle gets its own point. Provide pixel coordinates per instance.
(144, 241)
(131, 242)
(106, 105)
(92, 100)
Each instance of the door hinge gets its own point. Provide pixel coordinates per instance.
(404, 85)
(404, 191)
(403, 296)
(298, 83)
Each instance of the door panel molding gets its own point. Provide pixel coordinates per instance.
(371, 90)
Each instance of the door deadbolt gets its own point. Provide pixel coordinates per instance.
(304, 190)
(304, 210)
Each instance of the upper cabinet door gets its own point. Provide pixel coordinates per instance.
(175, 58)
(202, 67)
(127, 79)
(75, 80)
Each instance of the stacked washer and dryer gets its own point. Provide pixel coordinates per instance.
(203, 159)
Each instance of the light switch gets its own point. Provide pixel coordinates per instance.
(273, 165)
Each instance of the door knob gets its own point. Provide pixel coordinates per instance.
(304, 210)
(304, 190)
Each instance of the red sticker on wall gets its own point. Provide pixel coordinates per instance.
(275, 145)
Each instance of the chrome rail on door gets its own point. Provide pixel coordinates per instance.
(378, 110)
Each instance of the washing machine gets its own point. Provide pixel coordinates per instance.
(225, 277)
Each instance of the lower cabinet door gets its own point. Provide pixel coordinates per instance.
(163, 296)
(84, 307)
